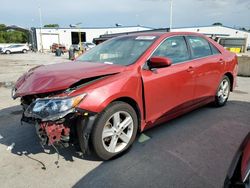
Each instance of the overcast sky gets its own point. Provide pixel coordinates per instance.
(152, 13)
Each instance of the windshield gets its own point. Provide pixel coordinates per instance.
(121, 51)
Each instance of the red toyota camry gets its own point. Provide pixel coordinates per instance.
(124, 86)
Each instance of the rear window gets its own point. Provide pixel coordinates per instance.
(214, 49)
(199, 46)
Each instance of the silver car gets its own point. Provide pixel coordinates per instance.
(15, 48)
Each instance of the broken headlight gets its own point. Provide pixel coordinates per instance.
(53, 108)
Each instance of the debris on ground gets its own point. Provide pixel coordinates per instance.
(9, 148)
(7, 84)
(143, 138)
(25, 153)
(1, 137)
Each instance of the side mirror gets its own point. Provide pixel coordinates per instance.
(159, 62)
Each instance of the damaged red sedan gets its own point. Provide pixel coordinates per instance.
(124, 86)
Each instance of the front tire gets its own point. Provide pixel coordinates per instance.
(223, 91)
(24, 51)
(7, 52)
(115, 130)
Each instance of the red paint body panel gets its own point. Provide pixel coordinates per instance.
(56, 77)
(207, 75)
(166, 88)
(101, 93)
(160, 94)
(245, 163)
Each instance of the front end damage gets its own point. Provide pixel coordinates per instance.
(57, 120)
(50, 96)
(51, 133)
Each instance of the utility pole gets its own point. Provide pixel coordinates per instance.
(41, 38)
(171, 15)
(79, 35)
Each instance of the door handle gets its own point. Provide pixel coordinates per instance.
(221, 61)
(190, 69)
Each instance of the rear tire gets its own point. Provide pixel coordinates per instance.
(223, 91)
(115, 130)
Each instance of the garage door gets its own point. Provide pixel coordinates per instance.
(48, 40)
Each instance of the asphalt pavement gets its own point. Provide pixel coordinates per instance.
(194, 150)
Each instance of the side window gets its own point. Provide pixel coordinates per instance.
(174, 48)
(214, 49)
(199, 46)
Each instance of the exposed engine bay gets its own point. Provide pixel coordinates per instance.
(55, 127)
(50, 98)
(49, 132)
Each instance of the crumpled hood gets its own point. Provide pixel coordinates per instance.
(55, 77)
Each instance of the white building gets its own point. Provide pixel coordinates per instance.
(43, 38)
(218, 31)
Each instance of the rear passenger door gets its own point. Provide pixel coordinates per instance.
(208, 65)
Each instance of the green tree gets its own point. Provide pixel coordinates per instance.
(51, 25)
(2, 40)
(12, 36)
(2, 27)
(2, 35)
(217, 23)
(243, 29)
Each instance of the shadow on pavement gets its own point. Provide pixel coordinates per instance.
(23, 140)
(194, 150)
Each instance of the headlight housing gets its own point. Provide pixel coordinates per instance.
(53, 108)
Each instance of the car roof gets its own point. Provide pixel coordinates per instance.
(165, 34)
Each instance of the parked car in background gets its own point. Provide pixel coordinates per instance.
(86, 46)
(238, 175)
(124, 86)
(15, 49)
(60, 46)
(75, 47)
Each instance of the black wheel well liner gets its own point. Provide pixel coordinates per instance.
(231, 78)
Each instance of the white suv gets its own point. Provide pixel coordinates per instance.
(15, 48)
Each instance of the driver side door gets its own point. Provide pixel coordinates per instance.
(169, 89)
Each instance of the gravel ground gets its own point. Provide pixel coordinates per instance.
(13, 65)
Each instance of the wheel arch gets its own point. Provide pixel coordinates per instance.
(134, 105)
(231, 78)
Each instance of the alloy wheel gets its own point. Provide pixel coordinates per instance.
(117, 132)
(223, 91)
